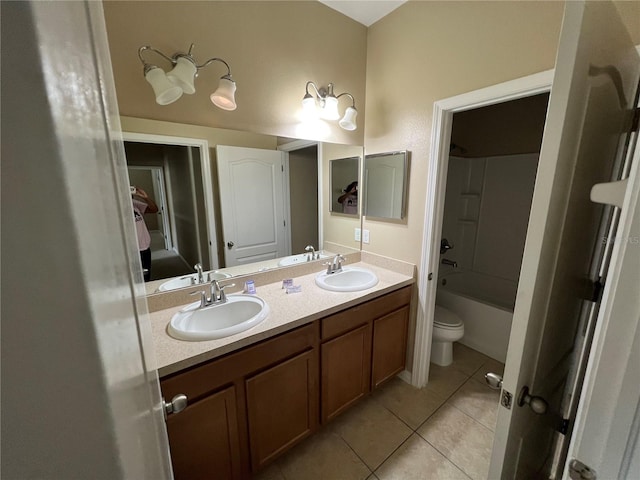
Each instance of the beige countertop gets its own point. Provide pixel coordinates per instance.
(287, 311)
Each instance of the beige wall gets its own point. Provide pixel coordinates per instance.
(273, 49)
(427, 51)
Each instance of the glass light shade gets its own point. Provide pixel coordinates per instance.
(184, 74)
(348, 122)
(166, 92)
(309, 106)
(225, 95)
(330, 109)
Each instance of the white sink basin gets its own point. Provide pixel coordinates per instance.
(239, 313)
(350, 279)
(296, 259)
(192, 279)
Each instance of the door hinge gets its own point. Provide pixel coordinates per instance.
(635, 123)
(282, 168)
(580, 471)
(593, 290)
(564, 426)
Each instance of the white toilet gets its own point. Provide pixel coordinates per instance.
(447, 328)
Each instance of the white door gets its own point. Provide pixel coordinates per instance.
(386, 178)
(590, 111)
(252, 204)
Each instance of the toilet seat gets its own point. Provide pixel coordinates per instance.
(446, 319)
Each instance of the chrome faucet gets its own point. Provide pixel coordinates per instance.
(314, 255)
(452, 263)
(216, 294)
(335, 265)
(200, 273)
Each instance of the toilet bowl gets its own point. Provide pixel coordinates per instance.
(447, 328)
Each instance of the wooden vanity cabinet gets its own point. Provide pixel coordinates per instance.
(245, 408)
(361, 348)
(248, 407)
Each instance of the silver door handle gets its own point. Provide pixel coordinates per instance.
(230, 245)
(176, 405)
(538, 404)
(493, 380)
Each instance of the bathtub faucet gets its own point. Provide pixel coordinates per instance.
(452, 263)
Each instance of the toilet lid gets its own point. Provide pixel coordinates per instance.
(446, 318)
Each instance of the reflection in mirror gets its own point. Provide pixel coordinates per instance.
(385, 180)
(344, 185)
(183, 174)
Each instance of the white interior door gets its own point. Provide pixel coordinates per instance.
(590, 112)
(163, 222)
(252, 204)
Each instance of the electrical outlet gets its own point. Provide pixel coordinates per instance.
(365, 236)
(357, 235)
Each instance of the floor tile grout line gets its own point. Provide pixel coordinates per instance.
(449, 459)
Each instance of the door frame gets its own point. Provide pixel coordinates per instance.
(203, 147)
(290, 147)
(443, 111)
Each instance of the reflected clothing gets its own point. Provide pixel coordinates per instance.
(144, 239)
(350, 204)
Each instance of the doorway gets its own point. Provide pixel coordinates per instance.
(443, 113)
(491, 174)
(174, 172)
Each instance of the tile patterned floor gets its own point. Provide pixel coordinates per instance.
(443, 431)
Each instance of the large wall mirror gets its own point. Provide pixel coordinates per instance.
(234, 202)
(344, 174)
(386, 179)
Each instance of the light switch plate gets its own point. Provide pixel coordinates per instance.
(357, 235)
(365, 236)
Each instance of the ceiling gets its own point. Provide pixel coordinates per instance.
(366, 12)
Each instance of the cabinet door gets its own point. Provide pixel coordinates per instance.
(346, 369)
(282, 407)
(389, 345)
(204, 438)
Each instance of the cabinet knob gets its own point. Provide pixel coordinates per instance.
(176, 405)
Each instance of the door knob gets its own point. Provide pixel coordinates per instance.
(538, 404)
(230, 245)
(176, 405)
(493, 380)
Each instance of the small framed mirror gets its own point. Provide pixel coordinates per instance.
(386, 178)
(344, 185)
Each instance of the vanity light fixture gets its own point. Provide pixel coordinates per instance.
(169, 86)
(325, 104)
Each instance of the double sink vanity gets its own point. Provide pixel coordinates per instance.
(302, 359)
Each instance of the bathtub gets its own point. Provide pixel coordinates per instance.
(485, 305)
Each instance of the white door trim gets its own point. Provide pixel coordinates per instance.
(443, 111)
(203, 147)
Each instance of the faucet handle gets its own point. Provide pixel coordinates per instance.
(203, 298)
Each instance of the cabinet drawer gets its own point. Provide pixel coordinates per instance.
(204, 379)
(351, 318)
